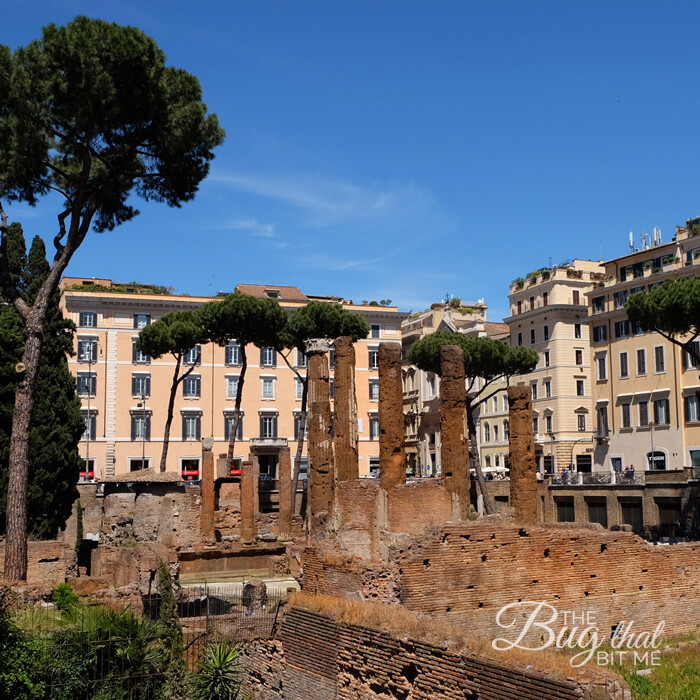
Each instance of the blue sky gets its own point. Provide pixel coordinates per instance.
(407, 150)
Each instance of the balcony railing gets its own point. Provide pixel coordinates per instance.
(597, 478)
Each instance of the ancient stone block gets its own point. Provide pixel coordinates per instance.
(346, 460)
(248, 508)
(208, 496)
(285, 489)
(392, 458)
(523, 477)
(454, 452)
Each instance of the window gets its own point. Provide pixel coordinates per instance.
(193, 356)
(643, 414)
(600, 333)
(192, 386)
(641, 362)
(602, 368)
(620, 299)
(375, 331)
(495, 404)
(603, 421)
(374, 466)
(140, 426)
(578, 356)
(268, 357)
(87, 349)
(228, 426)
(268, 388)
(90, 425)
(268, 426)
(487, 432)
(532, 336)
(688, 360)
(138, 357)
(622, 329)
(87, 384)
(297, 426)
(626, 415)
(88, 319)
(232, 386)
(191, 426)
(545, 331)
(506, 429)
(565, 510)
(661, 412)
(548, 388)
(624, 366)
(598, 511)
(616, 463)
(576, 297)
(332, 358)
(233, 354)
(546, 358)
(520, 338)
(532, 303)
(577, 330)
(598, 305)
(301, 360)
(534, 390)
(690, 404)
(520, 307)
(545, 299)
(189, 468)
(580, 387)
(298, 389)
(659, 359)
(140, 384)
(374, 389)
(374, 358)
(548, 423)
(141, 320)
(656, 461)
(535, 425)
(581, 421)
(136, 465)
(374, 427)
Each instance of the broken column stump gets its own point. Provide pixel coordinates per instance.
(453, 412)
(248, 507)
(206, 522)
(287, 498)
(321, 458)
(523, 476)
(345, 402)
(392, 458)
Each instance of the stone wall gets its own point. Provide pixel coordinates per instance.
(318, 656)
(48, 562)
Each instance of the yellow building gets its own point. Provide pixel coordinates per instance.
(548, 313)
(125, 394)
(645, 387)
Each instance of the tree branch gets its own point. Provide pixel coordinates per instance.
(9, 289)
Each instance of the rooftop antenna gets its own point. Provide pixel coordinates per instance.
(657, 235)
(631, 241)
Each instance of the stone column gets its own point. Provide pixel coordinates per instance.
(256, 482)
(206, 520)
(321, 462)
(286, 497)
(248, 508)
(346, 461)
(453, 414)
(523, 477)
(392, 458)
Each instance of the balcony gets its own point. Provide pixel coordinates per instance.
(268, 442)
(598, 479)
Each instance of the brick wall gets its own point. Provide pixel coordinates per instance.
(47, 562)
(318, 658)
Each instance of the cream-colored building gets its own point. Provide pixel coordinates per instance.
(646, 389)
(548, 313)
(125, 394)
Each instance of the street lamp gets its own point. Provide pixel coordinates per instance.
(652, 459)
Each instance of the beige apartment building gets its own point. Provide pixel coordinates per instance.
(548, 313)
(646, 389)
(125, 393)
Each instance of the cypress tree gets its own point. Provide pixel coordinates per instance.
(56, 424)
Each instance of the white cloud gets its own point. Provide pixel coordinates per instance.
(253, 227)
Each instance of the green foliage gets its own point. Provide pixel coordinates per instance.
(483, 357)
(518, 282)
(176, 681)
(126, 288)
(56, 424)
(64, 598)
(219, 676)
(175, 333)
(320, 319)
(99, 91)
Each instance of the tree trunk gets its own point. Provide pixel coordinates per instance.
(171, 406)
(474, 457)
(237, 409)
(16, 527)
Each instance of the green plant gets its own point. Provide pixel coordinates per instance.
(176, 682)
(64, 598)
(78, 525)
(518, 282)
(219, 676)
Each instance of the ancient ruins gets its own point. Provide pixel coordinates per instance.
(401, 582)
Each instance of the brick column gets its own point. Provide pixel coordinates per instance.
(392, 458)
(321, 462)
(248, 509)
(206, 521)
(523, 479)
(346, 460)
(453, 413)
(286, 497)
